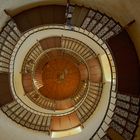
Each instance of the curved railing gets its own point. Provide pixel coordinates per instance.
(8, 39)
(65, 29)
(33, 75)
(99, 41)
(68, 49)
(15, 54)
(76, 55)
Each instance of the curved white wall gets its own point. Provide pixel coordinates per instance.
(96, 119)
(32, 39)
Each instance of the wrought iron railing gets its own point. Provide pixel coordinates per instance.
(99, 41)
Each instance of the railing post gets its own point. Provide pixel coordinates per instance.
(7, 13)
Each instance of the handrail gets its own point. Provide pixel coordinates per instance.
(41, 112)
(62, 27)
(34, 65)
(81, 57)
(75, 31)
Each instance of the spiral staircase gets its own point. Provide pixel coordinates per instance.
(33, 76)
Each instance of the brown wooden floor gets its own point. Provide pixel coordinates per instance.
(64, 122)
(94, 69)
(60, 76)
